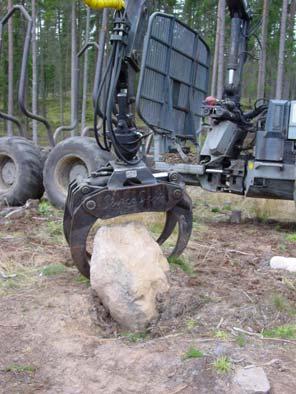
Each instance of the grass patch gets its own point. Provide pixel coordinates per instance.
(191, 324)
(82, 279)
(16, 276)
(216, 210)
(53, 269)
(18, 368)
(55, 229)
(280, 303)
(291, 237)
(156, 228)
(241, 340)
(44, 208)
(284, 332)
(219, 334)
(53, 232)
(182, 263)
(192, 352)
(135, 337)
(222, 365)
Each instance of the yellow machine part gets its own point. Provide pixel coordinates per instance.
(99, 4)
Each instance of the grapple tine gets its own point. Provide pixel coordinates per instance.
(180, 215)
(184, 217)
(170, 224)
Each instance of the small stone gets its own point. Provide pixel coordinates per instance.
(283, 263)
(128, 273)
(252, 380)
(32, 204)
(236, 217)
(221, 350)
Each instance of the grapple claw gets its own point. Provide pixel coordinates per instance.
(181, 216)
(100, 199)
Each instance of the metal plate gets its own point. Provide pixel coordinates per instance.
(174, 77)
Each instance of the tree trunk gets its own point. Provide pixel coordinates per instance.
(262, 62)
(220, 82)
(100, 58)
(215, 61)
(74, 65)
(281, 60)
(85, 73)
(34, 74)
(10, 71)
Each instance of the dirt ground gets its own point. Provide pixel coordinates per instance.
(55, 338)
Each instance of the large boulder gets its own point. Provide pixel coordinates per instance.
(128, 272)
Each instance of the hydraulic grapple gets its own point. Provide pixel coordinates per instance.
(168, 100)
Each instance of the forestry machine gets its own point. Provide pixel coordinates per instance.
(247, 153)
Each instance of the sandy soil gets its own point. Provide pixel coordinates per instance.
(55, 338)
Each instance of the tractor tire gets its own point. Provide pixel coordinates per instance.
(73, 158)
(21, 167)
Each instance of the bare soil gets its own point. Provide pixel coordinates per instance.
(55, 337)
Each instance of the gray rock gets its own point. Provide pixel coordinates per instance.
(128, 273)
(252, 380)
(236, 217)
(283, 263)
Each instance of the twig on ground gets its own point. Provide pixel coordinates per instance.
(4, 276)
(239, 252)
(180, 389)
(220, 323)
(260, 336)
(11, 325)
(247, 295)
(13, 212)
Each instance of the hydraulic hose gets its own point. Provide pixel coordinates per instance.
(99, 4)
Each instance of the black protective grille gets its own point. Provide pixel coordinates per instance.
(174, 77)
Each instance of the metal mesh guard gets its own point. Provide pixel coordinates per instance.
(174, 77)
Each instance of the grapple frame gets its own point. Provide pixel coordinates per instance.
(109, 193)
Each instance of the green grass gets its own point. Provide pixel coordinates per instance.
(18, 368)
(222, 365)
(219, 334)
(191, 324)
(54, 232)
(55, 229)
(284, 332)
(279, 302)
(241, 340)
(182, 263)
(135, 337)
(291, 237)
(192, 352)
(53, 269)
(156, 228)
(44, 208)
(82, 279)
(216, 210)
(18, 276)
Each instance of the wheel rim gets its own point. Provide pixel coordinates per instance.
(8, 172)
(67, 170)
